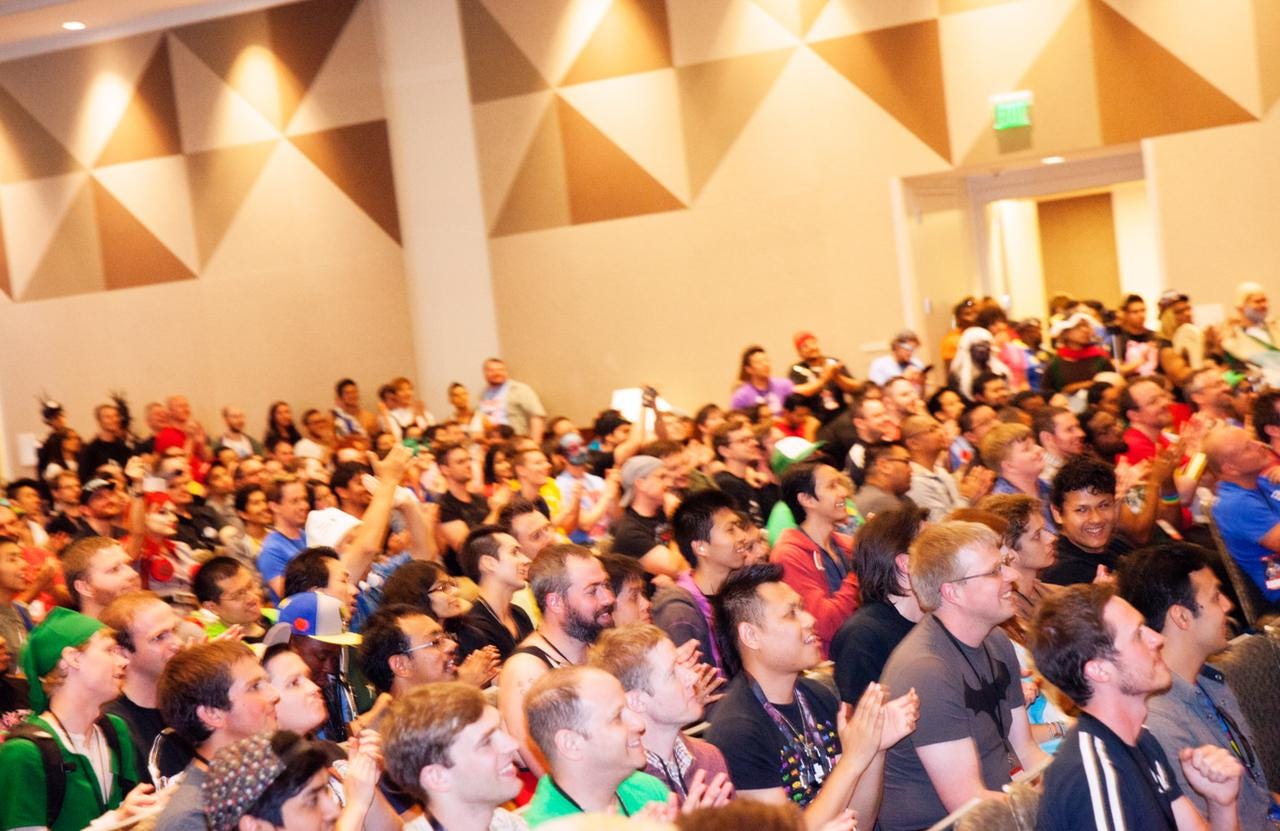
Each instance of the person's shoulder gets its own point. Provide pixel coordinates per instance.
(645, 785)
(817, 693)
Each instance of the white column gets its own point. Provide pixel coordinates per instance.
(438, 191)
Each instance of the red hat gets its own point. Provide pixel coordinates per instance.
(801, 337)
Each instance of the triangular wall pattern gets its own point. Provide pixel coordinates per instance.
(632, 37)
(149, 127)
(131, 255)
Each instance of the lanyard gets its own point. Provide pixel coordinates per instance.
(686, 582)
(1236, 739)
(622, 806)
(997, 714)
(806, 743)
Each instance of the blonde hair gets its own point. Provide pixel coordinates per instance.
(998, 443)
(934, 554)
(624, 653)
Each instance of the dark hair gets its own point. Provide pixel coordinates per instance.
(746, 359)
(11, 490)
(410, 585)
(934, 404)
(244, 492)
(965, 421)
(490, 457)
(1159, 576)
(481, 542)
(1132, 298)
(442, 451)
(1082, 473)
(345, 472)
(1020, 400)
(381, 638)
(1266, 413)
(273, 436)
(518, 506)
(195, 677)
(660, 448)
(1042, 420)
(309, 571)
(1067, 632)
(704, 413)
(876, 452)
(989, 315)
(302, 760)
(342, 385)
(622, 570)
(880, 541)
(979, 386)
(1096, 390)
(799, 478)
(739, 602)
(62, 524)
(205, 584)
(693, 519)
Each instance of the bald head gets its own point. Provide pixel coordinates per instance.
(1232, 453)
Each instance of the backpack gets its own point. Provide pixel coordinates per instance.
(56, 768)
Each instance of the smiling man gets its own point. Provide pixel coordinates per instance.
(1110, 773)
(973, 730)
(1084, 504)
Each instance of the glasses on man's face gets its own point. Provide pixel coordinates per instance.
(1005, 562)
(442, 586)
(437, 641)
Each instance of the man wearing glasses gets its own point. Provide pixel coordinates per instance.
(404, 648)
(973, 733)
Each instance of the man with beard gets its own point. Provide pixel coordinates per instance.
(871, 423)
(1210, 394)
(1104, 434)
(101, 511)
(1175, 590)
(1110, 773)
(572, 591)
(1058, 431)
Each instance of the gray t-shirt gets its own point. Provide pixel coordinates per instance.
(185, 809)
(964, 693)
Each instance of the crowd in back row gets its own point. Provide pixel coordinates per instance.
(383, 620)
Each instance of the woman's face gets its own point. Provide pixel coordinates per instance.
(283, 415)
(501, 468)
(950, 406)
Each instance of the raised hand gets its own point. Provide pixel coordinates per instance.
(900, 717)
(707, 794)
(861, 730)
(1212, 772)
(480, 667)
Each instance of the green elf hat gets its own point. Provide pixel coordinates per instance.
(42, 651)
(791, 450)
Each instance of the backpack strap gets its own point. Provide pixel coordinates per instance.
(55, 767)
(110, 730)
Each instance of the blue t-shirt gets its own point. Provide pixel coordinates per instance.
(1244, 516)
(276, 552)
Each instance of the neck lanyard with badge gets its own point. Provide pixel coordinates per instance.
(989, 694)
(815, 759)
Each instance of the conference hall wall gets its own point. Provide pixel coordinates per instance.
(207, 210)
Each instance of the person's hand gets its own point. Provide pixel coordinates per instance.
(364, 767)
(501, 497)
(860, 728)
(1273, 474)
(1164, 464)
(708, 681)
(391, 468)
(662, 813)
(688, 654)
(44, 575)
(369, 718)
(139, 799)
(900, 717)
(1030, 687)
(231, 633)
(846, 820)
(135, 470)
(1103, 575)
(976, 484)
(1127, 476)
(707, 794)
(481, 666)
(1212, 772)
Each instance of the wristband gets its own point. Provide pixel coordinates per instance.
(1170, 500)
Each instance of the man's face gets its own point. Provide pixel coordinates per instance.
(1153, 405)
(901, 397)
(355, 494)
(105, 503)
(293, 505)
(983, 419)
(589, 602)
(495, 373)
(533, 531)
(350, 396)
(28, 499)
(743, 446)
(1255, 307)
(314, 808)
(1068, 434)
(758, 365)
(67, 490)
(997, 393)
(1249, 457)
(12, 567)
(809, 349)
(322, 659)
(179, 487)
(154, 632)
(109, 419)
(459, 398)
(179, 409)
(1087, 518)
(340, 587)
(101, 666)
(301, 706)
(256, 509)
(671, 697)
(931, 440)
(532, 468)
(984, 585)
(902, 351)
(320, 426)
(241, 599)
(234, 418)
(728, 544)
(655, 485)
(1134, 317)
(250, 471)
(613, 729)
(1137, 666)
(10, 525)
(456, 466)
(484, 762)
(895, 466)
(632, 604)
(253, 700)
(511, 566)
(1214, 392)
(435, 656)
(1210, 627)
(1108, 435)
(1037, 547)
(1026, 458)
(109, 575)
(873, 422)
(785, 635)
(829, 494)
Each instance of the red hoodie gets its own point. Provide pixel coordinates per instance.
(802, 570)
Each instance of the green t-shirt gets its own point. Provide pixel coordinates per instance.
(22, 785)
(635, 792)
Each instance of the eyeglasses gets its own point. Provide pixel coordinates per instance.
(443, 586)
(438, 640)
(1005, 562)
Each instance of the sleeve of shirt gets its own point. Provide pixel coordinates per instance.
(828, 610)
(1242, 522)
(23, 786)
(529, 401)
(749, 750)
(1167, 725)
(943, 717)
(271, 560)
(926, 492)
(681, 621)
(859, 661)
(632, 540)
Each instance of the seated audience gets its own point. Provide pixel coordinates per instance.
(738, 448)
(1246, 512)
(932, 486)
(643, 531)
(288, 538)
(230, 595)
(630, 589)
(1083, 499)
(887, 480)
(492, 559)
(316, 632)
(1011, 451)
(98, 571)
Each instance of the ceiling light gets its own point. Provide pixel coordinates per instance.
(73, 25)
(1052, 160)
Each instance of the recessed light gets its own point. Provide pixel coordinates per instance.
(73, 25)
(1052, 160)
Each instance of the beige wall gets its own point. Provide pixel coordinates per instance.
(1078, 248)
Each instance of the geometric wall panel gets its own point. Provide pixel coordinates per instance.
(158, 194)
(632, 37)
(900, 68)
(27, 149)
(550, 33)
(847, 17)
(4, 267)
(796, 15)
(708, 30)
(219, 181)
(1138, 79)
(539, 193)
(357, 158)
(131, 255)
(212, 114)
(341, 92)
(72, 263)
(149, 127)
(496, 68)
(302, 36)
(238, 50)
(32, 213)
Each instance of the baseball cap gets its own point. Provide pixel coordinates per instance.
(801, 337)
(93, 487)
(328, 526)
(637, 467)
(316, 615)
(1170, 297)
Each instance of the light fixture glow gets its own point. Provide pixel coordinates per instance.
(1052, 160)
(73, 25)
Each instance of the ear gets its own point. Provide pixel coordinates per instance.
(210, 606)
(948, 591)
(1097, 671)
(902, 562)
(1179, 616)
(71, 656)
(253, 824)
(748, 636)
(212, 717)
(1057, 515)
(806, 500)
(486, 564)
(435, 779)
(570, 744)
(699, 546)
(637, 701)
(398, 665)
(82, 589)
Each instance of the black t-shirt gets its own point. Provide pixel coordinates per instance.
(1098, 781)
(828, 402)
(200, 530)
(635, 535)
(755, 502)
(98, 452)
(1075, 565)
(862, 645)
(471, 514)
(145, 723)
(480, 628)
(753, 746)
(837, 436)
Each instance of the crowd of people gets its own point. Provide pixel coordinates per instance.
(834, 603)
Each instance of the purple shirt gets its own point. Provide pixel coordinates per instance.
(746, 396)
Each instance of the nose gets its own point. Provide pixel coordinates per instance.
(632, 719)
(807, 620)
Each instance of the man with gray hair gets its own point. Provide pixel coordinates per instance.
(973, 731)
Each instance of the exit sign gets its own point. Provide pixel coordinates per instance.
(1011, 109)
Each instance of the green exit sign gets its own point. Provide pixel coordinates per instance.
(1011, 109)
